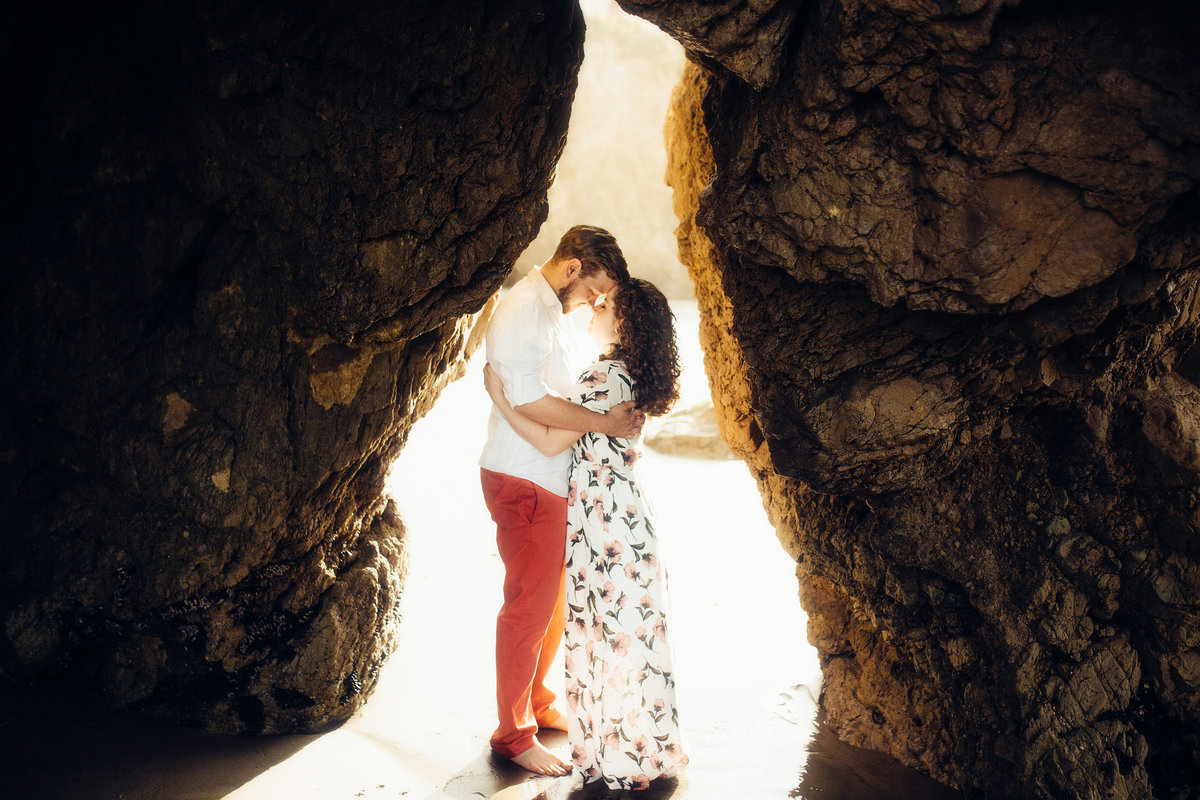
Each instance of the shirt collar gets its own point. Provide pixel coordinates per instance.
(545, 292)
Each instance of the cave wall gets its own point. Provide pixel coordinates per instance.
(245, 246)
(947, 258)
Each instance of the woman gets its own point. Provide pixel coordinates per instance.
(623, 725)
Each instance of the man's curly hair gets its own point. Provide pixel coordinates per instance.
(646, 343)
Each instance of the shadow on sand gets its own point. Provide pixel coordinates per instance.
(55, 744)
(497, 778)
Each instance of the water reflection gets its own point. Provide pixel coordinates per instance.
(834, 770)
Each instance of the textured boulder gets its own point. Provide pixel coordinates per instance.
(691, 432)
(953, 254)
(748, 38)
(245, 247)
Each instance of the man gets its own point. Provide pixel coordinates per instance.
(532, 347)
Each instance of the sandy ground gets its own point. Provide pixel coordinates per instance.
(747, 680)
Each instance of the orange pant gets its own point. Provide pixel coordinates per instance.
(531, 535)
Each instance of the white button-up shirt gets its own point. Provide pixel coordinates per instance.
(535, 349)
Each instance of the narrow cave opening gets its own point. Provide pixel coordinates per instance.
(243, 241)
(748, 681)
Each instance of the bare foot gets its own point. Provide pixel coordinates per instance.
(540, 760)
(554, 719)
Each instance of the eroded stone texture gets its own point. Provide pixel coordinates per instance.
(957, 246)
(244, 245)
(747, 37)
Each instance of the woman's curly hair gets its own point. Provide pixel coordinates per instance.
(646, 343)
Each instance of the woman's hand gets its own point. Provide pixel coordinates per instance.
(494, 386)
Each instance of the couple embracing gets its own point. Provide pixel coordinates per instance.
(572, 526)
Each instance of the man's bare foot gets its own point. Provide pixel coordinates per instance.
(554, 719)
(540, 760)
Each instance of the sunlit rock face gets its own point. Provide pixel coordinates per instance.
(244, 245)
(954, 256)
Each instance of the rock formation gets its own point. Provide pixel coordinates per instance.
(947, 260)
(691, 432)
(245, 244)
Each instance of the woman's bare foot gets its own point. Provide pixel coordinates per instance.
(540, 760)
(555, 720)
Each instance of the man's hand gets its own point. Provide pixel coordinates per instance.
(624, 421)
(494, 385)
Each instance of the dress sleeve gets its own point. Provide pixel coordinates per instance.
(602, 386)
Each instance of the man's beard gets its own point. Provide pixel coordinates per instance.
(564, 294)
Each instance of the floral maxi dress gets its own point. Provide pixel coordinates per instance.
(620, 690)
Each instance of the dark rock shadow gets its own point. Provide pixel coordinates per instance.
(838, 771)
(57, 745)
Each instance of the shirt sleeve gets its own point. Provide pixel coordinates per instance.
(517, 349)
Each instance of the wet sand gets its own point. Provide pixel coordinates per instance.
(747, 679)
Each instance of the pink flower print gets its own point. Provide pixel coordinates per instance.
(640, 632)
(659, 704)
(590, 649)
(632, 572)
(615, 680)
(611, 738)
(597, 626)
(596, 377)
(641, 744)
(660, 629)
(576, 536)
(578, 755)
(621, 644)
(647, 602)
(572, 491)
(602, 395)
(607, 480)
(580, 625)
(573, 697)
(631, 510)
(656, 762)
(648, 559)
(673, 749)
(609, 590)
(622, 601)
(583, 497)
(613, 551)
(640, 676)
(641, 781)
(629, 456)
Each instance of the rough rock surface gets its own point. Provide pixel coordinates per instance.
(953, 250)
(244, 246)
(748, 37)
